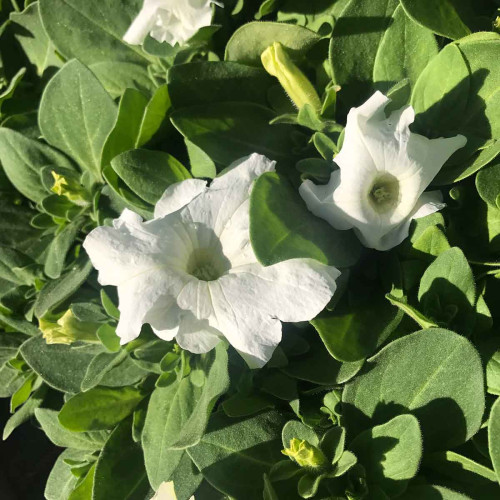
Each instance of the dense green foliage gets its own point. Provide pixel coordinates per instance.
(393, 389)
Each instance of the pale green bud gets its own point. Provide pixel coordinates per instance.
(279, 64)
(68, 329)
(70, 189)
(305, 454)
(496, 24)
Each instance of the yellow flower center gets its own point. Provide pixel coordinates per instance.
(384, 193)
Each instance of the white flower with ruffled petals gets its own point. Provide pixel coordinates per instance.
(171, 21)
(191, 272)
(384, 170)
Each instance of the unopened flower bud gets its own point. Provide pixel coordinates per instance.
(279, 64)
(305, 454)
(68, 329)
(70, 189)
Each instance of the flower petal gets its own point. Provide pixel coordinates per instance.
(197, 336)
(319, 200)
(248, 304)
(178, 195)
(132, 247)
(253, 333)
(164, 317)
(379, 152)
(143, 23)
(217, 205)
(427, 204)
(138, 296)
(292, 290)
(431, 154)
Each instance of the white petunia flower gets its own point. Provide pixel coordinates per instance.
(384, 170)
(171, 21)
(191, 272)
(166, 492)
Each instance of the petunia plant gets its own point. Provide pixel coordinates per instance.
(250, 249)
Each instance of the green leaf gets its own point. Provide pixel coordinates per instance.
(228, 131)
(319, 367)
(432, 242)
(468, 476)
(15, 229)
(148, 173)
(250, 40)
(444, 388)
(282, 228)
(440, 16)
(431, 492)
(208, 82)
(8, 93)
(17, 267)
(99, 366)
(84, 489)
(10, 381)
(61, 481)
(91, 31)
(63, 367)
(448, 292)
(59, 247)
(439, 96)
(332, 444)
(137, 121)
(25, 412)
(390, 453)
(246, 405)
(122, 196)
(488, 184)
(23, 393)
(9, 345)
(298, 430)
(33, 38)
(57, 291)
(404, 51)
(413, 313)
(109, 305)
(308, 485)
(318, 16)
(494, 437)
(353, 50)
(457, 94)
(120, 473)
(107, 335)
(455, 173)
(85, 115)
(23, 159)
(186, 478)
(99, 408)
(115, 76)
(178, 414)
(201, 163)
(60, 436)
(234, 454)
(355, 334)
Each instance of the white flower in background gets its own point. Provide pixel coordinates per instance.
(171, 21)
(166, 492)
(384, 170)
(191, 272)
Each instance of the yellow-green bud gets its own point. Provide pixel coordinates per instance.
(68, 329)
(496, 24)
(279, 64)
(305, 454)
(70, 189)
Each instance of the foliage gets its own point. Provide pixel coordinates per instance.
(392, 391)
